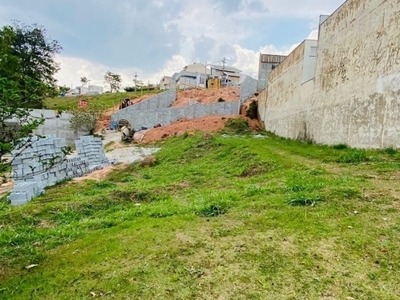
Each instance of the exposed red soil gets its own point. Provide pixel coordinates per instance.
(207, 124)
(188, 97)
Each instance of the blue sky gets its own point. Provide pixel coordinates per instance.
(159, 37)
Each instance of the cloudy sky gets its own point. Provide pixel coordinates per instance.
(159, 37)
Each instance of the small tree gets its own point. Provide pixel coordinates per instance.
(114, 80)
(27, 67)
(85, 118)
(63, 89)
(84, 81)
(34, 51)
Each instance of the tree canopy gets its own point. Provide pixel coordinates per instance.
(114, 80)
(27, 67)
(27, 55)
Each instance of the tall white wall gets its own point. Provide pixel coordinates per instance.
(354, 97)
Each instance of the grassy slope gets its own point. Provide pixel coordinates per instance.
(210, 221)
(109, 100)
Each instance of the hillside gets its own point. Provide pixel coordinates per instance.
(213, 216)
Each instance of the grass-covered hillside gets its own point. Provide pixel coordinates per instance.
(215, 217)
(108, 100)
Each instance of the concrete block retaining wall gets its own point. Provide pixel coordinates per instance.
(247, 88)
(166, 116)
(162, 100)
(32, 171)
(57, 124)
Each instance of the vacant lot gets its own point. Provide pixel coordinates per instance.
(214, 217)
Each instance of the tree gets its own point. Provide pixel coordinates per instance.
(114, 80)
(84, 81)
(26, 77)
(85, 118)
(34, 51)
(63, 89)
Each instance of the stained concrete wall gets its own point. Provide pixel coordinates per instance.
(287, 97)
(354, 97)
(149, 118)
(247, 88)
(267, 63)
(56, 124)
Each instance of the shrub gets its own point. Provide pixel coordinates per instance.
(391, 151)
(355, 156)
(129, 89)
(340, 146)
(252, 111)
(148, 161)
(237, 125)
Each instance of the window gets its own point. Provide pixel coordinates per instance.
(313, 52)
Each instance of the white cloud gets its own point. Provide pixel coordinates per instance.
(313, 35)
(73, 68)
(247, 60)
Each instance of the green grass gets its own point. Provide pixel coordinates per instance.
(108, 100)
(217, 217)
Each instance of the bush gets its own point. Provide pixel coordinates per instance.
(129, 89)
(391, 151)
(340, 146)
(237, 125)
(252, 111)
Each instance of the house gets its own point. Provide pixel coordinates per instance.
(165, 82)
(83, 90)
(228, 74)
(197, 68)
(188, 80)
(95, 89)
(267, 63)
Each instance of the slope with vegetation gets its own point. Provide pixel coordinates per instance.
(214, 216)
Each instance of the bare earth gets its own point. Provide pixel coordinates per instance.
(188, 97)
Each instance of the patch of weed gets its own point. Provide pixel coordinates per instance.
(236, 126)
(304, 201)
(391, 151)
(354, 156)
(340, 146)
(212, 210)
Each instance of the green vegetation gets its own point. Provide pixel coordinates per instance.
(108, 100)
(213, 217)
(252, 112)
(27, 67)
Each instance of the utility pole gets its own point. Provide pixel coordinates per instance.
(223, 64)
(135, 80)
(224, 77)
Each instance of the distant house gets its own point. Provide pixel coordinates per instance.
(95, 88)
(197, 68)
(83, 90)
(188, 80)
(226, 73)
(267, 63)
(165, 82)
